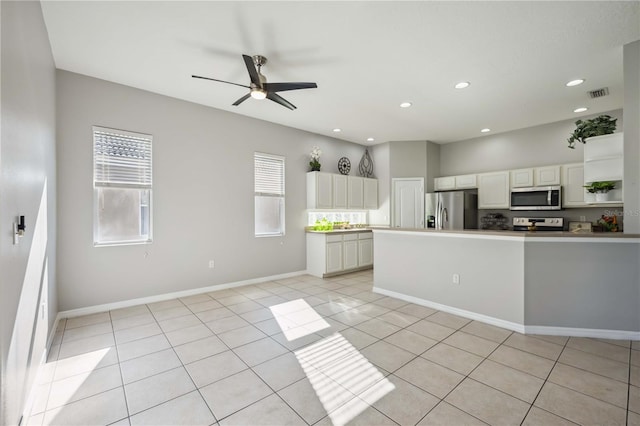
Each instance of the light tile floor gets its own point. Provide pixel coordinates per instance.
(310, 351)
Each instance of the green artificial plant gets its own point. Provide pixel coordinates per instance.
(600, 187)
(601, 125)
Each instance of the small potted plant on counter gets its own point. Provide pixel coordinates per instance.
(601, 125)
(601, 189)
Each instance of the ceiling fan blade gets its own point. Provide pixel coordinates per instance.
(281, 87)
(221, 81)
(242, 99)
(253, 73)
(280, 100)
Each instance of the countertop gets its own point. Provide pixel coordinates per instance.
(521, 234)
(340, 231)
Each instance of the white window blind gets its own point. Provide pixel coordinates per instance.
(269, 175)
(269, 195)
(122, 187)
(122, 158)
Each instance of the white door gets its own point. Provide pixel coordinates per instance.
(408, 202)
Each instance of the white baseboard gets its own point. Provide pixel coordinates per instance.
(583, 332)
(520, 328)
(168, 296)
(460, 312)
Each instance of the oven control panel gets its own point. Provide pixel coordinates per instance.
(541, 222)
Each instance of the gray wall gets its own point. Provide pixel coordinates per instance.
(533, 146)
(203, 204)
(632, 135)
(422, 264)
(433, 165)
(408, 159)
(380, 154)
(27, 187)
(582, 285)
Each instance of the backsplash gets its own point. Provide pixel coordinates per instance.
(590, 214)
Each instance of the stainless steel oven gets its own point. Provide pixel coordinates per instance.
(536, 198)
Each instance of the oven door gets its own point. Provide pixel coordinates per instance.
(536, 198)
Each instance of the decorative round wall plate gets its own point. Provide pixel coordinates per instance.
(344, 165)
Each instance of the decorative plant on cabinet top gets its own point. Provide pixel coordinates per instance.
(315, 159)
(601, 125)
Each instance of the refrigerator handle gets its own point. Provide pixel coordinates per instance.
(445, 216)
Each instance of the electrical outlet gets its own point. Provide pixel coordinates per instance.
(456, 278)
(212, 264)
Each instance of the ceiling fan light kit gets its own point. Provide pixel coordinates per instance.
(259, 88)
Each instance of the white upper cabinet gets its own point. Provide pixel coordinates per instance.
(319, 190)
(493, 190)
(445, 183)
(356, 192)
(450, 183)
(547, 176)
(573, 192)
(521, 178)
(335, 191)
(340, 193)
(370, 193)
(466, 182)
(603, 158)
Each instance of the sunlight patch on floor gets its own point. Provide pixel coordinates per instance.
(297, 319)
(342, 378)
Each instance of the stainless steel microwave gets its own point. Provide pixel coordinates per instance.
(536, 198)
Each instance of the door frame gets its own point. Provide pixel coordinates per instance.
(393, 197)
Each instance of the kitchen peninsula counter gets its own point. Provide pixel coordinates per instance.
(583, 284)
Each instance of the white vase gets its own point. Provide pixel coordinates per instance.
(602, 196)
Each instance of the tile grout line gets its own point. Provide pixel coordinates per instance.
(545, 382)
(124, 391)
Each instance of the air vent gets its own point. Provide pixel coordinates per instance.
(598, 93)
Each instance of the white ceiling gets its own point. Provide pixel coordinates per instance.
(366, 58)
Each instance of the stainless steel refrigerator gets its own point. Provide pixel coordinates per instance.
(452, 210)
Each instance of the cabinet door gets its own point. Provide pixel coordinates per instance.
(334, 257)
(350, 253)
(319, 190)
(493, 190)
(521, 178)
(370, 193)
(356, 192)
(365, 252)
(466, 182)
(547, 176)
(339, 192)
(444, 183)
(573, 191)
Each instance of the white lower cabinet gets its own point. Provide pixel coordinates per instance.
(335, 253)
(365, 251)
(334, 257)
(350, 252)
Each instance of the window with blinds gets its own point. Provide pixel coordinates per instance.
(269, 194)
(122, 182)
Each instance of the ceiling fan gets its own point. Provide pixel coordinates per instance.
(259, 88)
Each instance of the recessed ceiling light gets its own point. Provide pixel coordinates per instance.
(337, 130)
(485, 130)
(581, 109)
(370, 139)
(462, 85)
(405, 105)
(575, 82)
